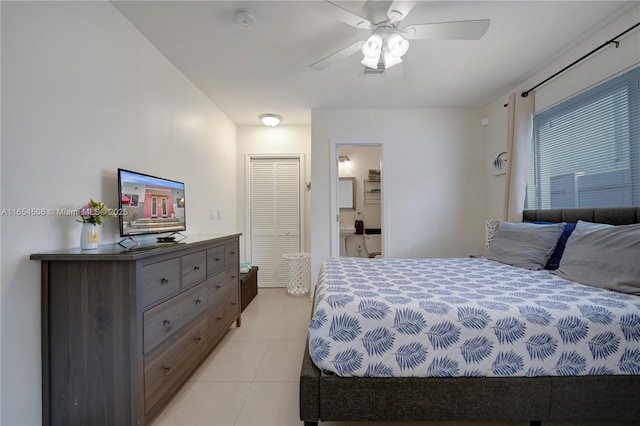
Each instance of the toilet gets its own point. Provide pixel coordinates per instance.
(368, 246)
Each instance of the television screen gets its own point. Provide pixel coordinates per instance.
(149, 204)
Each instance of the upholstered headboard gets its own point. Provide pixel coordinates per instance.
(612, 216)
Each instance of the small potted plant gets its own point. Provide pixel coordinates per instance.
(91, 216)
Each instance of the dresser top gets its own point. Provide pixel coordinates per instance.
(144, 249)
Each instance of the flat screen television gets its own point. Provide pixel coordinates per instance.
(150, 204)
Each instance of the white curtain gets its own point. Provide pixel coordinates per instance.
(520, 126)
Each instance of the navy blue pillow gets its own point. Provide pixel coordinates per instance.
(554, 261)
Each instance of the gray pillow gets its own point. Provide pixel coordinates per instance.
(604, 256)
(526, 245)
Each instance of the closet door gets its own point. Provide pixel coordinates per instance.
(275, 216)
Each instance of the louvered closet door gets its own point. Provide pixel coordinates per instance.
(275, 217)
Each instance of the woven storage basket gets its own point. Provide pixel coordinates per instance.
(299, 271)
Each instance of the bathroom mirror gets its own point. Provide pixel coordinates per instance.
(347, 193)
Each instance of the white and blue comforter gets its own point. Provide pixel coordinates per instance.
(467, 317)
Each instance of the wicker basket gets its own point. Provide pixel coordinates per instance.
(299, 271)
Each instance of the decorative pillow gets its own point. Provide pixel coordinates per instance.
(526, 245)
(604, 256)
(554, 260)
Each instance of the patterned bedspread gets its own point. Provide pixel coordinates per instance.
(467, 317)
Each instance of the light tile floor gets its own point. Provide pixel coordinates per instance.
(251, 377)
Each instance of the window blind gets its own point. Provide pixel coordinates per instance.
(585, 152)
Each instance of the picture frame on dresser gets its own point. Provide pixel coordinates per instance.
(123, 329)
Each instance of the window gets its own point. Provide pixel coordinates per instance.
(585, 151)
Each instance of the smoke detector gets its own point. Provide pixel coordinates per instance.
(245, 18)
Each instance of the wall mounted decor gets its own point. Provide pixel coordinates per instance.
(499, 164)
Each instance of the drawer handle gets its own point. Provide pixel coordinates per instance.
(167, 369)
(164, 280)
(233, 253)
(196, 268)
(218, 286)
(166, 323)
(218, 318)
(233, 303)
(218, 259)
(197, 301)
(233, 276)
(197, 339)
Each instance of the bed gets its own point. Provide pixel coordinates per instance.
(480, 392)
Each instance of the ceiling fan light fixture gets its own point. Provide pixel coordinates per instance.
(390, 59)
(370, 62)
(270, 120)
(373, 46)
(397, 45)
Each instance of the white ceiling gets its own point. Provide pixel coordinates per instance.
(249, 71)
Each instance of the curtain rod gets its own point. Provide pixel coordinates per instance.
(603, 45)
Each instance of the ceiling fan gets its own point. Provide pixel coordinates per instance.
(388, 43)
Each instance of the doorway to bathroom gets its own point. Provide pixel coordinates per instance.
(359, 194)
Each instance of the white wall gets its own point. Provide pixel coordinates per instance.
(601, 66)
(434, 201)
(83, 94)
(260, 140)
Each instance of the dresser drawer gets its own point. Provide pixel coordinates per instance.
(173, 361)
(222, 316)
(221, 283)
(194, 268)
(231, 253)
(167, 318)
(215, 259)
(160, 280)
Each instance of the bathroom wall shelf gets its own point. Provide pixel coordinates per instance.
(372, 191)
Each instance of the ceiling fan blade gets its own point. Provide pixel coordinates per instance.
(455, 30)
(338, 12)
(399, 10)
(336, 56)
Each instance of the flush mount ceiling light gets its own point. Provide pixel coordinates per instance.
(270, 120)
(345, 160)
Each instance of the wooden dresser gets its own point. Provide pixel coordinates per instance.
(123, 329)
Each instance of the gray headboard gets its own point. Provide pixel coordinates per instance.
(612, 216)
